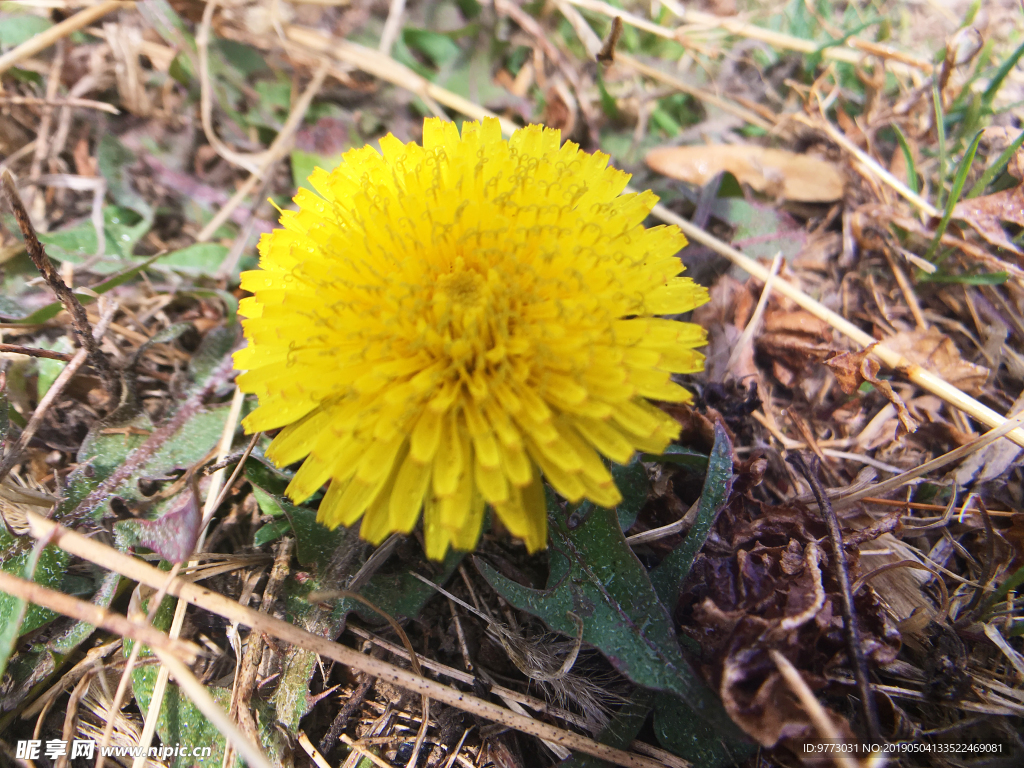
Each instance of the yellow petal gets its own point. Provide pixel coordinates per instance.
(407, 495)
(449, 461)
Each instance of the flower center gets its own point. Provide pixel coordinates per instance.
(463, 288)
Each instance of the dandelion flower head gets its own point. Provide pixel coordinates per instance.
(445, 324)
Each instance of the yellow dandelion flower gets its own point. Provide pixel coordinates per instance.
(445, 324)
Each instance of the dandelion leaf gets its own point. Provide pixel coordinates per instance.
(595, 575)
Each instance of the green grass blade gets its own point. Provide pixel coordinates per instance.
(1012, 581)
(908, 157)
(975, 278)
(940, 131)
(955, 191)
(997, 80)
(997, 167)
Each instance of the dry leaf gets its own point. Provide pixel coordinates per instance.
(937, 353)
(986, 214)
(785, 174)
(854, 368)
(797, 321)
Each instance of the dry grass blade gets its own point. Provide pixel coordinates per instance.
(42, 41)
(136, 570)
(201, 697)
(814, 710)
(93, 614)
(212, 494)
(840, 571)
(923, 378)
(1007, 428)
(83, 329)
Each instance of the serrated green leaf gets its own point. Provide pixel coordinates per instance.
(631, 480)
(670, 573)
(16, 616)
(594, 574)
(180, 721)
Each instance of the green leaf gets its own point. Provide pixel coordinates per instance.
(271, 532)
(17, 617)
(966, 278)
(17, 29)
(69, 639)
(997, 167)
(908, 158)
(1012, 581)
(51, 310)
(216, 345)
(122, 230)
(267, 502)
(115, 162)
(196, 438)
(269, 479)
(244, 58)
(761, 230)
(275, 93)
(99, 455)
(12, 310)
(1000, 75)
(402, 594)
(48, 369)
(954, 194)
(303, 164)
(470, 8)
(633, 484)
(180, 721)
(437, 47)
(200, 259)
(315, 543)
(691, 737)
(670, 573)
(608, 103)
(681, 455)
(594, 574)
(5, 421)
(940, 133)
